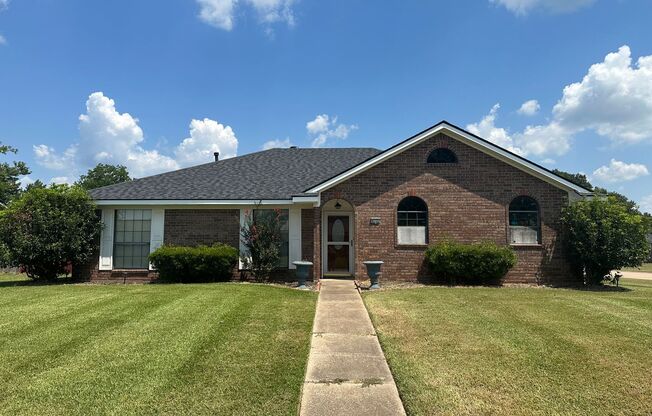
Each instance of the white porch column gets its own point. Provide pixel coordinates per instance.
(295, 235)
(106, 239)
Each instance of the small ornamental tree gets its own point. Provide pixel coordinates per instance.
(45, 230)
(603, 234)
(261, 237)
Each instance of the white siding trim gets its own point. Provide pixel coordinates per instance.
(294, 224)
(157, 230)
(106, 239)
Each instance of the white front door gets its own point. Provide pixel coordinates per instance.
(338, 244)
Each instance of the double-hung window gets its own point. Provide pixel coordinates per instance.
(132, 238)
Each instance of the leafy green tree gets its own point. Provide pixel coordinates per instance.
(603, 234)
(37, 184)
(103, 175)
(577, 178)
(45, 229)
(9, 173)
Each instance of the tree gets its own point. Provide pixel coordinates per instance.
(103, 175)
(579, 179)
(603, 234)
(9, 173)
(37, 184)
(261, 236)
(46, 229)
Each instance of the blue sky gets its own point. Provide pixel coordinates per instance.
(161, 85)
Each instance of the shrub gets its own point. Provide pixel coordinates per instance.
(47, 229)
(604, 234)
(470, 263)
(194, 264)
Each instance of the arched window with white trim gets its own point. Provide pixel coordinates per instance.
(412, 221)
(524, 221)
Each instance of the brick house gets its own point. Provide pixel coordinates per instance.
(341, 207)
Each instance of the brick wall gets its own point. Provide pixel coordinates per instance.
(467, 202)
(191, 227)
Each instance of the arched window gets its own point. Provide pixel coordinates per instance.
(442, 155)
(412, 221)
(524, 221)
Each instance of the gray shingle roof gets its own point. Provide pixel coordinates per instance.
(270, 174)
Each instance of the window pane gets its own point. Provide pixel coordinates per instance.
(523, 219)
(524, 235)
(442, 155)
(412, 235)
(524, 203)
(412, 203)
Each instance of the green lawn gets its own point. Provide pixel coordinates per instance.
(152, 349)
(517, 351)
(646, 267)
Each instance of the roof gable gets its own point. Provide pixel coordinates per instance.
(465, 137)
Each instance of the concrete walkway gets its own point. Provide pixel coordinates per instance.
(637, 275)
(347, 372)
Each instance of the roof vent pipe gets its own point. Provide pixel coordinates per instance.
(217, 156)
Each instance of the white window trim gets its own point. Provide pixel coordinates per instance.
(106, 239)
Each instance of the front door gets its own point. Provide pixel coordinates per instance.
(338, 243)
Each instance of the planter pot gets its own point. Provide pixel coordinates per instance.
(373, 271)
(303, 270)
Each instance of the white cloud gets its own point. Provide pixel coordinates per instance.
(276, 144)
(486, 128)
(618, 171)
(220, 13)
(4, 4)
(48, 157)
(529, 108)
(206, 137)
(549, 139)
(646, 204)
(614, 99)
(108, 136)
(325, 127)
(523, 7)
(25, 180)
(60, 180)
(549, 161)
(273, 11)
(217, 13)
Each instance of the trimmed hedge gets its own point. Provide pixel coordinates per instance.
(195, 264)
(470, 263)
